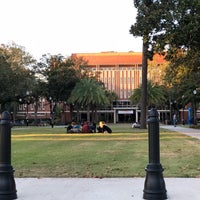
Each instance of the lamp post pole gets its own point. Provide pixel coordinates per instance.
(170, 104)
(183, 120)
(194, 92)
(7, 183)
(51, 113)
(154, 187)
(27, 103)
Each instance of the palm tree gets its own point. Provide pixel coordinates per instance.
(112, 96)
(155, 95)
(88, 93)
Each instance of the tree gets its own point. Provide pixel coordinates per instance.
(37, 97)
(155, 95)
(169, 27)
(80, 66)
(112, 96)
(88, 93)
(179, 30)
(183, 81)
(63, 76)
(60, 72)
(15, 75)
(143, 27)
(60, 75)
(6, 73)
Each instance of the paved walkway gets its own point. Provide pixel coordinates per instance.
(106, 188)
(101, 189)
(187, 131)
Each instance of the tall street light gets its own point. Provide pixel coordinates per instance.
(195, 92)
(51, 112)
(27, 103)
(183, 120)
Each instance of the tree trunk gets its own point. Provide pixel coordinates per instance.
(88, 113)
(35, 113)
(71, 107)
(144, 84)
(96, 116)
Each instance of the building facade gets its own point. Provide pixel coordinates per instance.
(121, 72)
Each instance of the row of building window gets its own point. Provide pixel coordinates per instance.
(116, 68)
(23, 107)
(123, 80)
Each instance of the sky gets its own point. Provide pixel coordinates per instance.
(69, 26)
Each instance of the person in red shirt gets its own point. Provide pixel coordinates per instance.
(86, 127)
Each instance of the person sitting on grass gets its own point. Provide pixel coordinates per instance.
(73, 128)
(86, 128)
(103, 128)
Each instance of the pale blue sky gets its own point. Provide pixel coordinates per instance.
(69, 26)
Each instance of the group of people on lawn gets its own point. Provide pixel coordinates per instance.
(88, 127)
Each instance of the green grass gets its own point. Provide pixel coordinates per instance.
(47, 152)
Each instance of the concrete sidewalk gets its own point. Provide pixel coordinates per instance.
(101, 189)
(187, 131)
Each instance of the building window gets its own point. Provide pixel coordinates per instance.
(121, 93)
(139, 67)
(21, 106)
(32, 106)
(121, 80)
(129, 93)
(129, 80)
(125, 94)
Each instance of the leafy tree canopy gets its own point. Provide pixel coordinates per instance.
(15, 77)
(60, 75)
(88, 92)
(155, 95)
(169, 26)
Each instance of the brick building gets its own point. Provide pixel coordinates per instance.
(121, 72)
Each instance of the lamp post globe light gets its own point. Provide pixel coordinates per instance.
(195, 93)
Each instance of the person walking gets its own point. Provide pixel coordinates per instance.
(174, 120)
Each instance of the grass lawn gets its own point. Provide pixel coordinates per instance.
(51, 152)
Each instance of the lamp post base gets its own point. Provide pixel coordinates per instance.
(154, 187)
(7, 183)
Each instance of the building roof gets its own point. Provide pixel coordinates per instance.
(113, 58)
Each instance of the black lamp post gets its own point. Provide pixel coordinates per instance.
(154, 187)
(51, 113)
(63, 112)
(7, 182)
(27, 103)
(170, 105)
(183, 120)
(195, 92)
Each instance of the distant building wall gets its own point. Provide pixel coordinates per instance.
(121, 72)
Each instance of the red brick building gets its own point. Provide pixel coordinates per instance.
(121, 72)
